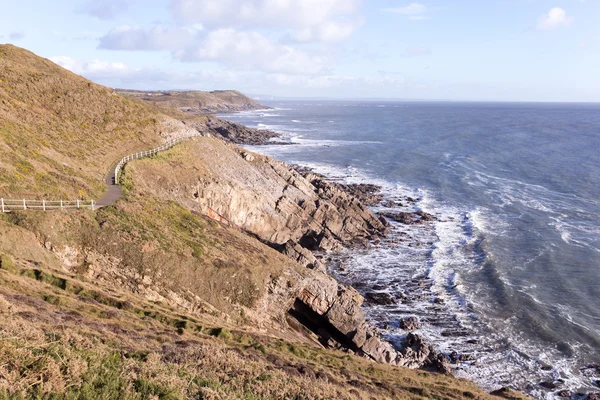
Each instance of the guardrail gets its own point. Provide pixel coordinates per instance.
(165, 146)
(8, 205)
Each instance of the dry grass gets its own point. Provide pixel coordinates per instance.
(193, 99)
(59, 341)
(59, 133)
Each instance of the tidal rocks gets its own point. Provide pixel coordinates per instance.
(236, 133)
(383, 299)
(367, 194)
(409, 218)
(334, 313)
(409, 323)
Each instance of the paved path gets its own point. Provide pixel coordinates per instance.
(113, 192)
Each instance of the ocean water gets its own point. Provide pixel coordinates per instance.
(514, 257)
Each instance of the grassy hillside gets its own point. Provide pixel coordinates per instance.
(59, 132)
(146, 299)
(199, 101)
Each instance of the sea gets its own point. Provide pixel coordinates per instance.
(509, 273)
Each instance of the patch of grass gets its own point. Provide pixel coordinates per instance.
(7, 264)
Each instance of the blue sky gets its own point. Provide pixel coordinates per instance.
(505, 50)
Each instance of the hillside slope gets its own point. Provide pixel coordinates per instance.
(178, 290)
(196, 101)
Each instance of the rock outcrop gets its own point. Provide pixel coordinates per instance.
(265, 198)
(333, 312)
(236, 133)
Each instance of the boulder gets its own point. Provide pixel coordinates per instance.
(381, 298)
(409, 323)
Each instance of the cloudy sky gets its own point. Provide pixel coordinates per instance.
(507, 50)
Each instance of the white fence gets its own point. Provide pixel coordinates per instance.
(165, 146)
(8, 205)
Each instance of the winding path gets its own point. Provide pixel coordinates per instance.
(113, 192)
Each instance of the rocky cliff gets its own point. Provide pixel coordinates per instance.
(295, 214)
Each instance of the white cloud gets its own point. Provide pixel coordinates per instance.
(94, 67)
(328, 31)
(553, 19)
(337, 81)
(16, 36)
(117, 74)
(251, 50)
(105, 9)
(156, 38)
(412, 11)
(323, 20)
(418, 51)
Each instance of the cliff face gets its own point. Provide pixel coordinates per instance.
(196, 101)
(295, 215)
(262, 196)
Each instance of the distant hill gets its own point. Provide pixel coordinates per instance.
(218, 101)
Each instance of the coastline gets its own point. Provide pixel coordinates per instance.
(415, 211)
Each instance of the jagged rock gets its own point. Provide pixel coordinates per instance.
(341, 322)
(409, 323)
(381, 298)
(408, 218)
(236, 133)
(593, 396)
(302, 256)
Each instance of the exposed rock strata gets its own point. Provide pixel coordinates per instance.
(296, 215)
(333, 311)
(236, 133)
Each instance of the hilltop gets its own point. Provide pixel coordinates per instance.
(196, 101)
(199, 283)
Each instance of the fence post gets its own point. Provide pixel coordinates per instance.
(61, 205)
(92, 205)
(77, 203)
(24, 205)
(44, 205)
(2, 202)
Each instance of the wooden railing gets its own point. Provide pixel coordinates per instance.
(8, 205)
(165, 146)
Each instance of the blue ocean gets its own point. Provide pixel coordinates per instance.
(509, 273)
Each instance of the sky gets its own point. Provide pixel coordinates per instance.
(473, 50)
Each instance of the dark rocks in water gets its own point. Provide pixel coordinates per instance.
(236, 133)
(455, 357)
(501, 392)
(409, 323)
(390, 204)
(550, 385)
(564, 394)
(383, 299)
(593, 396)
(408, 218)
(597, 383)
(366, 193)
(416, 351)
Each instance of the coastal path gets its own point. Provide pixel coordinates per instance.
(113, 192)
